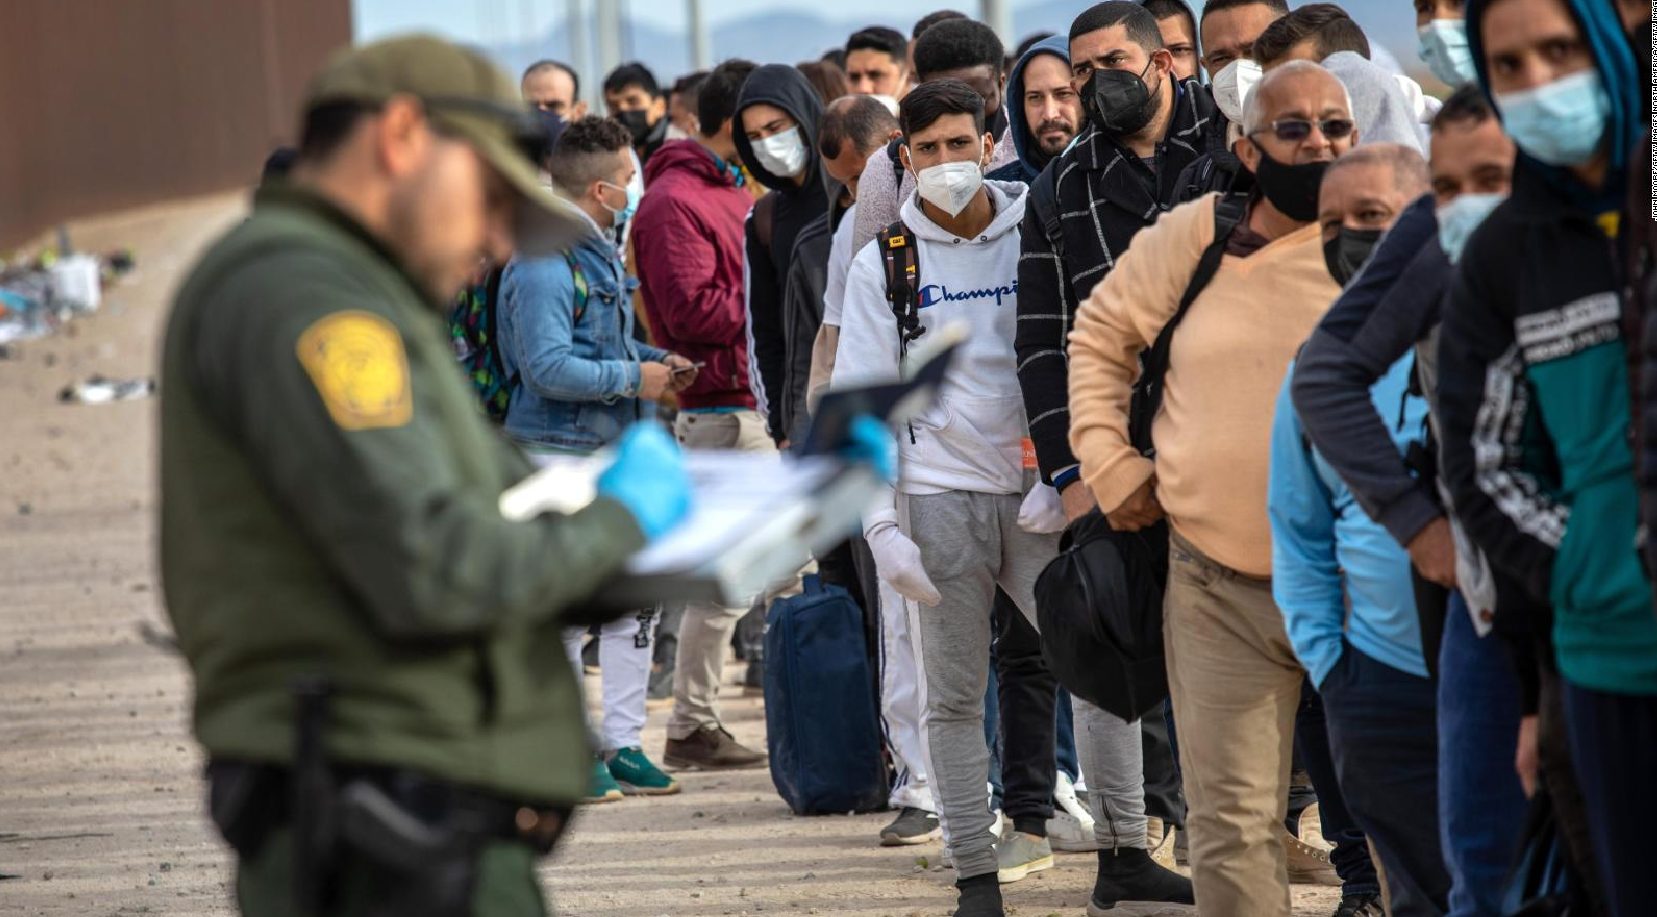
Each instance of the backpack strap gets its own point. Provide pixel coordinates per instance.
(1044, 200)
(1229, 210)
(899, 254)
(765, 210)
(580, 278)
(491, 314)
(896, 158)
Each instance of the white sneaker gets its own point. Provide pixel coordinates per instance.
(1071, 827)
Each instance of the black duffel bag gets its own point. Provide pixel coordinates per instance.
(1099, 605)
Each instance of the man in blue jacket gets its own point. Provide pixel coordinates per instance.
(1344, 585)
(578, 378)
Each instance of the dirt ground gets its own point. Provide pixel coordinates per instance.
(100, 793)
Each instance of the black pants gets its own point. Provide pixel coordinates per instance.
(1164, 798)
(1351, 853)
(1614, 750)
(1558, 774)
(1027, 696)
(1383, 734)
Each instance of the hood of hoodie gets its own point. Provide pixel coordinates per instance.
(1383, 114)
(785, 87)
(686, 156)
(1013, 103)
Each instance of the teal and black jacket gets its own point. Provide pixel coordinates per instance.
(1533, 399)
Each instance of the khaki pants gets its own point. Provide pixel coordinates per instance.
(706, 629)
(1235, 684)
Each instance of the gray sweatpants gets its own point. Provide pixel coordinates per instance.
(970, 543)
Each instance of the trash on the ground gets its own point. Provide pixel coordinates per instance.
(38, 297)
(77, 282)
(99, 390)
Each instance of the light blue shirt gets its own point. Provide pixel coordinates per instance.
(1336, 573)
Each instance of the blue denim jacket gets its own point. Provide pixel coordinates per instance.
(574, 381)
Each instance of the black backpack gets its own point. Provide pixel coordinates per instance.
(1099, 603)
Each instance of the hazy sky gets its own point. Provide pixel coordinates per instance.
(501, 21)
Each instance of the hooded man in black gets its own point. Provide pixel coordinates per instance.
(775, 132)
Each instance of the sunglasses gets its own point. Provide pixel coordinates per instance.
(1296, 130)
(527, 132)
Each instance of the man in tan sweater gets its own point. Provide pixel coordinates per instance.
(1232, 674)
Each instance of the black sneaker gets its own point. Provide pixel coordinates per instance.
(980, 896)
(1129, 874)
(912, 826)
(1360, 906)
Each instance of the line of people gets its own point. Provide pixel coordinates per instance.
(1388, 453)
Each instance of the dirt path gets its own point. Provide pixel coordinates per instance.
(100, 797)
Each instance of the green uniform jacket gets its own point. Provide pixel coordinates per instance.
(329, 506)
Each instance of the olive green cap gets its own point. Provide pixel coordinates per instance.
(467, 96)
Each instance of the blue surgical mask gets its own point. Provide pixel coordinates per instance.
(1458, 219)
(1444, 50)
(634, 192)
(1561, 123)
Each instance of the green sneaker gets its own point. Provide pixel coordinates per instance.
(602, 787)
(637, 776)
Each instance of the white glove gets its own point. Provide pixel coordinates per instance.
(1042, 512)
(898, 562)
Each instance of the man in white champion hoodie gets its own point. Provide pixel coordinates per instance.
(950, 533)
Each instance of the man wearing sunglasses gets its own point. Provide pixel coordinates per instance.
(390, 724)
(1232, 673)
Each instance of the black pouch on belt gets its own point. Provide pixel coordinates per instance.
(431, 864)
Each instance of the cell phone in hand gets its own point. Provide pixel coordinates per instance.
(679, 370)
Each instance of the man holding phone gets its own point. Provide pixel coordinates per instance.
(579, 379)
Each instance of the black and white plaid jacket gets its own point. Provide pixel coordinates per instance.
(1104, 195)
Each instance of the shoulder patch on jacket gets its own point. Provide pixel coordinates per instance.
(357, 362)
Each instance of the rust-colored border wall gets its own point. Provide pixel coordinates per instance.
(113, 103)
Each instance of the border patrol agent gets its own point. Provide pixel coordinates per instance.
(392, 725)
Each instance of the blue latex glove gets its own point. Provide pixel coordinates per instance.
(869, 442)
(649, 478)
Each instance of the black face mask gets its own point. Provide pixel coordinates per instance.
(637, 123)
(996, 124)
(1348, 251)
(1292, 189)
(1120, 102)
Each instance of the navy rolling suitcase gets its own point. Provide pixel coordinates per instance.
(821, 716)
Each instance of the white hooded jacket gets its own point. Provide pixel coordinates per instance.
(973, 439)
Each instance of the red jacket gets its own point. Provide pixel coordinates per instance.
(688, 248)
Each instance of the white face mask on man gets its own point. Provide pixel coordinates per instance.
(782, 154)
(950, 186)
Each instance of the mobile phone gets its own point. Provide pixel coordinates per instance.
(692, 367)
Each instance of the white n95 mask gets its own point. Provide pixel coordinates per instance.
(949, 186)
(782, 154)
(1232, 86)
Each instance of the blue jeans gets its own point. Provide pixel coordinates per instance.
(1065, 754)
(1383, 734)
(1481, 807)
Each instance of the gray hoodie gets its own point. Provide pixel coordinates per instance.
(1383, 113)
